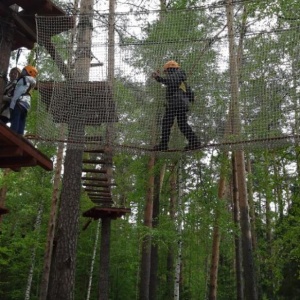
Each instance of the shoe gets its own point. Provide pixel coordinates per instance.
(160, 147)
(193, 145)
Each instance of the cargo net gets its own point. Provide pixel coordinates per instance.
(97, 91)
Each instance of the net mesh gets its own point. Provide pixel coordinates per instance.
(81, 104)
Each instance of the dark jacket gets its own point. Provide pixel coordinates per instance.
(172, 80)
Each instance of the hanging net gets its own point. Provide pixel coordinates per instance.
(96, 88)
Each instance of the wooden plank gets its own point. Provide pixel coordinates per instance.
(94, 161)
(94, 178)
(16, 140)
(99, 194)
(94, 171)
(94, 151)
(106, 212)
(99, 184)
(97, 190)
(91, 195)
(101, 197)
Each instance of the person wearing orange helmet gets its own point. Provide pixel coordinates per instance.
(20, 101)
(7, 94)
(177, 106)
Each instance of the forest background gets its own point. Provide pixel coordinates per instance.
(196, 196)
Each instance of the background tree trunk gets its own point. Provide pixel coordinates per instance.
(93, 261)
(146, 242)
(104, 259)
(177, 278)
(158, 178)
(6, 38)
(3, 192)
(237, 238)
(51, 225)
(248, 262)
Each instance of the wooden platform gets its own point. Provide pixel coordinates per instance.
(106, 212)
(25, 32)
(16, 152)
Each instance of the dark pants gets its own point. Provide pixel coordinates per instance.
(18, 119)
(168, 121)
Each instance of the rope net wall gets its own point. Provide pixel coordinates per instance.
(79, 102)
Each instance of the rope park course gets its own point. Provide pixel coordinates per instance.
(98, 90)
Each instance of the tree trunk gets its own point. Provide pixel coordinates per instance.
(237, 238)
(178, 264)
(64, 256)
(172, 213)
(248, 262)
(6, 38)
(214, 259)
(154, 246)
(251, 205)
(51, 225)
(214, 266)
(62, 277)
(37, 227)
(146, 242)
(93, 261)
(104, 259)
(3, 192)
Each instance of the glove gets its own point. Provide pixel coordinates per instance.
(155, 74)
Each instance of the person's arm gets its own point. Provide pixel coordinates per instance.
(173, 79)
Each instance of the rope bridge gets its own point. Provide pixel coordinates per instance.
(80, 103)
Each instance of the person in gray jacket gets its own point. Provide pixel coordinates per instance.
(20, 101)
(176, 107)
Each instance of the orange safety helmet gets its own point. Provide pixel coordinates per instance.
(171, 64)
(31, 70)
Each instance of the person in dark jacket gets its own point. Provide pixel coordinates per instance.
(177, 106)
(8, 93)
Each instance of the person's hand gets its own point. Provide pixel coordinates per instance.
(155, 74)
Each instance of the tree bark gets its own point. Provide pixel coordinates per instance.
(93, 261)
(172, 212)
(251, 205)
(104, 259)
(237, 238)
(51, 225)
(154, 246)
(62, 277)
(37, 227)
(214, 266)
(6, 41)
(3, 192)
(248, 262)
(146, 242)
(178, 264)
(64, 257)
